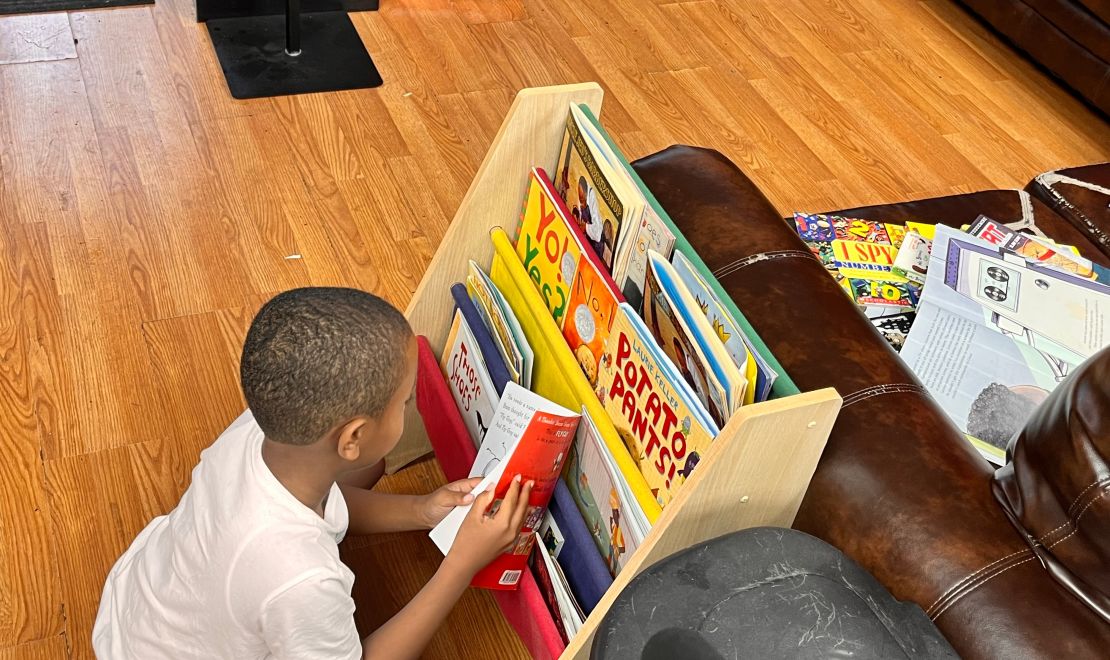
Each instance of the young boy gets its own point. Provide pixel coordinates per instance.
(247, 565)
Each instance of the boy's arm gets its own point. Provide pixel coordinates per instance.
(376, 513)
(480, 539)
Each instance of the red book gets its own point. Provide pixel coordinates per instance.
(529, 436)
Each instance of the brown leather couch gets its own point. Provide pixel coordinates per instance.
(1069, 38)
(898, 488)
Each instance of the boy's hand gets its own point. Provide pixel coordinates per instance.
(433, 507)
(483, 536)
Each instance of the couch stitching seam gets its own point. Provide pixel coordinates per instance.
(738, 264)
(971, 577)
(1075, 523)
(985, 579)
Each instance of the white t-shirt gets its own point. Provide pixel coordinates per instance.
(240, 569)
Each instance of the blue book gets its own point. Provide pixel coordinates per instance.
(495, 364)
(586, 572)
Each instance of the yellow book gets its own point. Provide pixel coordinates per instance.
(658, 416)
(556, 374)
(546, 245)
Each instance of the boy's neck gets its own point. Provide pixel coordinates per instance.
(302, 473)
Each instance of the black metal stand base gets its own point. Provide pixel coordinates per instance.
(252, 53)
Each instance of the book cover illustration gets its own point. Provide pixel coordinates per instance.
(502, 324)
(593, 201)
(686, 311)
(531, 437)
(857, 249)
(547, 245)
(760, 375)
(679, 344)
(593, 305)
(490, 354)
(658, 417)
(606, 507)
(471, 386)
(866, 293)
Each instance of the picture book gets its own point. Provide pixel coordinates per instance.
(585, 569)
(857, 249)
(598, 201)
(490, 355)
(539, 566)
(548, 245)
(528, 436)
(653, 232)
(593, 305)
(681, 344)
(556, 592)
(614, 519)
(658, 417)
(468, 380)
(502, 324)
(759, 374)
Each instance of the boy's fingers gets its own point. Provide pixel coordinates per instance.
(508, 505)
(522, 508)
(482, 503)
(464, 485)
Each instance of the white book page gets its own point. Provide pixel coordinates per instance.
(443, 534)
(515, 412)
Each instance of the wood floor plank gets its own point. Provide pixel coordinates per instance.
(100, 502)
(36, 38)
(50, 648)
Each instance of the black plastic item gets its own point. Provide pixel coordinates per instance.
(763, 593)
(209, 9)
(39, 6)
(252, 52)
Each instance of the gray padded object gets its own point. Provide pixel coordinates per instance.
(763, 593)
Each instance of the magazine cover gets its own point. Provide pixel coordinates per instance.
(469, 382)
(1046, 253)
(547, 246)
(994, 335)
(659, 418)
(529, 436)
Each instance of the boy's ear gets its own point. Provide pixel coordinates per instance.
(353, 436)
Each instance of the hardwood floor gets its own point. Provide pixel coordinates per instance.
(145, 215)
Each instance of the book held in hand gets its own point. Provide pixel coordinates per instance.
(529, 436)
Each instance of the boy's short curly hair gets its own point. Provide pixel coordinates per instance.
(319, 356)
